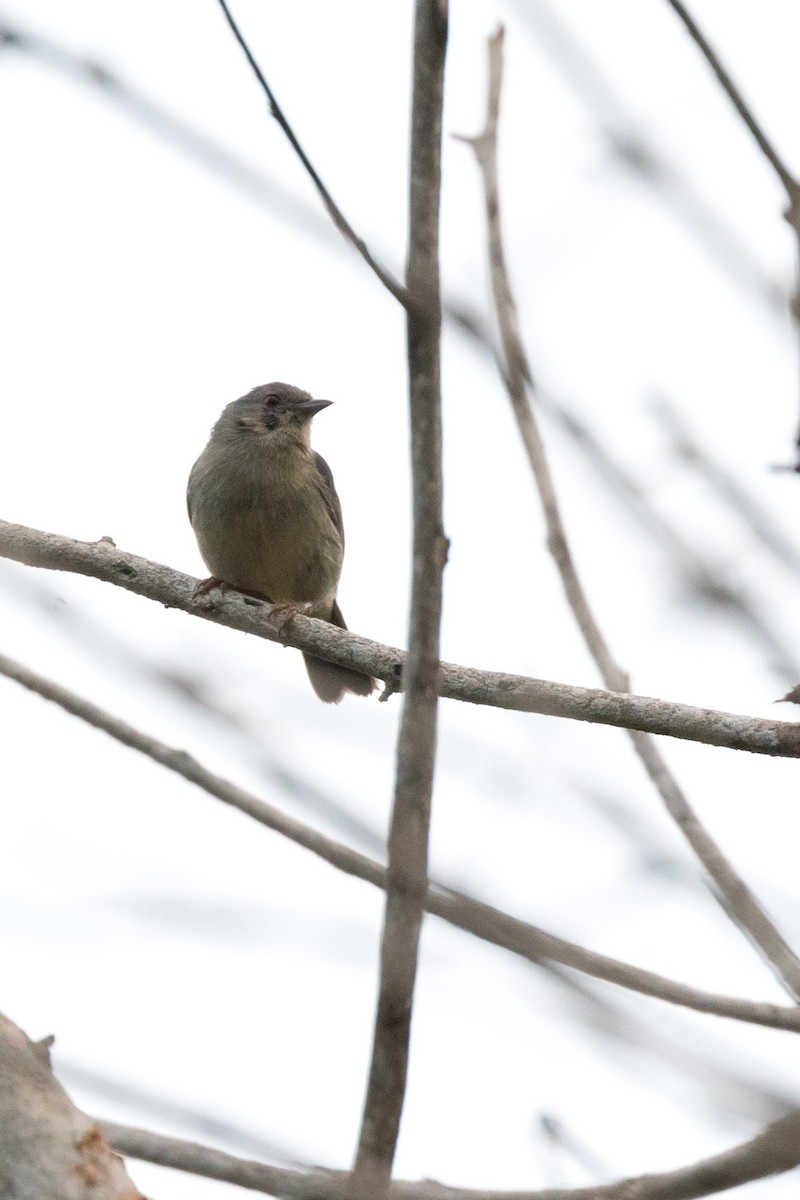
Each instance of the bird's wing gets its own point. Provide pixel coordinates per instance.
(328, 490)
(189, 493)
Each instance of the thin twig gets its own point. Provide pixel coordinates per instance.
(713, 582)
(636, 148)
(168, 126)
(337, 216)
(519, 693)
(470, 915)
(789, 181)
(687, 446)
(268, 192)
(126, 1096)
(190, 140)
(737, 99)
(733, 893)
(630, 144)
(773, 1151)
(406, 877)
(564, 1142)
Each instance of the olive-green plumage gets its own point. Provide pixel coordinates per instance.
(267, 518)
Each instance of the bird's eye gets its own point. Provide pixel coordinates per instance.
(271, 401)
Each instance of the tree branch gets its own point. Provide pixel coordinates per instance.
(337, 216)
(638, 152)
(465, 913)
(712, 581)
(733, 893)
(208, 1163)
(737, 99)
(790, 183)
(215, 157)
(773, 1151)
(519, 693)
(406, 876)
(49, 1150)
(686, 445)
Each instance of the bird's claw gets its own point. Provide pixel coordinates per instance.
(286, 611)
(205, 587)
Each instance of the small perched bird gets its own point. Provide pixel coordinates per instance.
(267, 518)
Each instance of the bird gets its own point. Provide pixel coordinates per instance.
(267, 517)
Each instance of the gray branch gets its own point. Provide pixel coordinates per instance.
(736, 898)
(337, 216)
(407, 871)
(788, 180)
(49, 1150)
(773, 1151)
(738, 101)
(520, 693)
(472, 916)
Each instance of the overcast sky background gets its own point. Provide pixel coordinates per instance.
(185, 957)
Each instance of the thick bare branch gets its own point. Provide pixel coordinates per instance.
(519, 693)
(49, 1150)
(772, 1152)
(733, 893)
(407, 871)
(472, 916)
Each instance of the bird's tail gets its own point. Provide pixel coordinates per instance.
(330, 681)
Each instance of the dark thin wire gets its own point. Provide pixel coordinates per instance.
(342, 224)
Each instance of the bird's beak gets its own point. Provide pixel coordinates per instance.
(312, 407)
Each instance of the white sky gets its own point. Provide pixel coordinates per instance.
(169, 945)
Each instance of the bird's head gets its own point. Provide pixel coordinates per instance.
(275, 411)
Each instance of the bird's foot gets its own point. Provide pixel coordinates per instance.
(286, 611)
(206, 586)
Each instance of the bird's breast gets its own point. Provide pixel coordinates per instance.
(262, 525)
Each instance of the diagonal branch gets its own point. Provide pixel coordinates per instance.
(215, 157)
(722, 481)
(639, 152)
(337, 216)
(712, 580)
(733, 893)
(773, 1151)
(406, 877)
(472, 916)
(740, 104)
(497, 689)
(789, 181)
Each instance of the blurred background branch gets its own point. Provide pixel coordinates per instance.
(467, 913)
(737, 899)
(764, 143)
(636, 149)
